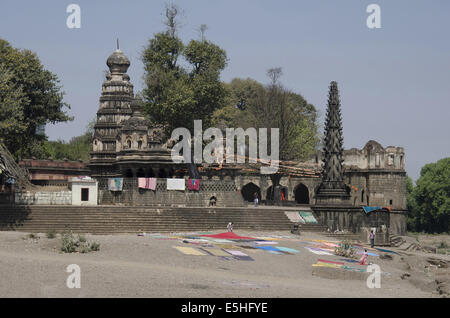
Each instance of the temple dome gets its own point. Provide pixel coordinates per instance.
(118, 62)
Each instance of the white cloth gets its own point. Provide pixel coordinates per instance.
(176, 184)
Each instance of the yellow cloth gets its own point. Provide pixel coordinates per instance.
(189, 251)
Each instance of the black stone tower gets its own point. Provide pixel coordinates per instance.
(333, 190)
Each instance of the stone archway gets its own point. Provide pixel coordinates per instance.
(129, 173)
(301, 194)
(248, 192)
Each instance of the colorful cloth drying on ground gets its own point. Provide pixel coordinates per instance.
(287, 249)
(194, 184)
(386, 251)
(294, 217)
(190, 251)
(216, 252)
(308, 217)
(337, 265)
(115, 184)
(268, 248)
(229, 236)
(176, 184)
(369, 209)
(318, 251)
(147, 183)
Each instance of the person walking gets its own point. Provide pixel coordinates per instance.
(372, 239)
(363, 259)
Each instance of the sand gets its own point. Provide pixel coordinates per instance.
(142, 266)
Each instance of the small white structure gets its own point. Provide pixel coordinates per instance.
(84, 191)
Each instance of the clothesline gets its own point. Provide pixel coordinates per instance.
(116, 184)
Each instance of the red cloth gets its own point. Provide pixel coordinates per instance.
(229, 236)
(194, 184)
(330, 262)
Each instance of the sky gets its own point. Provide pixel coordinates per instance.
(394, 81)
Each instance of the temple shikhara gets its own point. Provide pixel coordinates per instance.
(131, 167)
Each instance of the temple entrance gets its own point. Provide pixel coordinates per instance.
(248, 192)
(301, 194)
(129, 173)
(141, 173)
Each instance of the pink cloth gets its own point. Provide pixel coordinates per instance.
(194, 184)
(147, 183)
(363, 259)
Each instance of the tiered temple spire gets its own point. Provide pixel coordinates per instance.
(333, 185)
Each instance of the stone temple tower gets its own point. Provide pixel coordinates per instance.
(125, 143)
(333, 190)
(115, 106)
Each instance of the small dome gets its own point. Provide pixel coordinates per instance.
(118, 62)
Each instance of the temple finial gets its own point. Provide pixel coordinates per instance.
(118, 44)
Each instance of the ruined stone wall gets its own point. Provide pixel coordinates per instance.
(44, 198)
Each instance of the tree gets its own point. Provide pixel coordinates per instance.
(429, 201)
(77, 148)
(251, 104)
(174, 95)
(30, 97)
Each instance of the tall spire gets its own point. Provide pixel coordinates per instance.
(332, 185)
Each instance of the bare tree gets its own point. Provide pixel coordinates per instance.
(172, 23)
(274, 75)
(202, 30)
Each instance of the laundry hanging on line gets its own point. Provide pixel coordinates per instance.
(176, 184)
(115, 184)
(194, 184)
(147, 183)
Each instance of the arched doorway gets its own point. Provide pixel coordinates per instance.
(301, 194)
(129, 173)
(248, 192)
(141, 173)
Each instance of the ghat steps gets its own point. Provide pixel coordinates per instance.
(129, 219)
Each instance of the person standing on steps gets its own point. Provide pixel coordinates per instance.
(256, 200)
(230, 227)
(372, 239)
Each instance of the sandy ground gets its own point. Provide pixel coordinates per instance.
(136, 266)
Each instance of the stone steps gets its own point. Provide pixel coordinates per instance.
(127, 219)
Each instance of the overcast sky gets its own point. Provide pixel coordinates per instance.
(394, 81)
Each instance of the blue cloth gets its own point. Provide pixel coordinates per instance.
(115, 184)
(368, 209)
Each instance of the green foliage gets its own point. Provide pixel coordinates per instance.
(68, 243)
(345, 249)
(51, 234)
(250, 104)
(71, 244)
(429, 201)
(29, 97)
(77, 148)
(174, 95)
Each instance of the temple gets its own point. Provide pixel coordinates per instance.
(338, 186)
